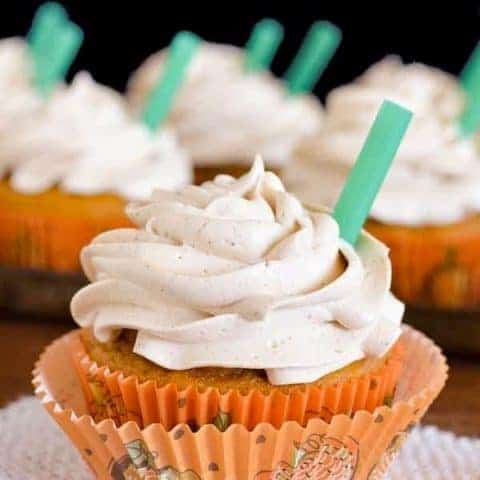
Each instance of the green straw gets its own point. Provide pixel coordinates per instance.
(370, 169)
(470, 118)
(48, 20)
(470, 76)
(161, 98)
(65, 48)
(316, 51)
(470, 80)
(266, 37)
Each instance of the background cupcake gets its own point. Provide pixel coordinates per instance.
(84, 142)
(68, 166)
(230, 107)
(427, 210)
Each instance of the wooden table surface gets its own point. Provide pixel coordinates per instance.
(23, 338)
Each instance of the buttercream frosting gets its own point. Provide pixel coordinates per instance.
(18, 99)
(237, 273)
(435, 176)
(224, 114)
(84, 141)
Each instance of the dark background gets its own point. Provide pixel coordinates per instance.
(119, 35)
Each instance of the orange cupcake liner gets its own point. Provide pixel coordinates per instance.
(47, 243)
(112, 395)
(359, 447)
(33, 239)
(434, 267)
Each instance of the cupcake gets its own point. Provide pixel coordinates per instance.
(233, 334)
(68, 168)
(225, 114)
(427, 210)
(231, 291)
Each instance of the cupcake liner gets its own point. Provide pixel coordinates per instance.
(350, 448)
(52, 239)
(434, 267)
(112, 395)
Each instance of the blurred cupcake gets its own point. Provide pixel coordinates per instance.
(427, 210)
(68, 167)
(70, 157)
(84, 142)
(230, 107)
(230, 302)
(224, 115)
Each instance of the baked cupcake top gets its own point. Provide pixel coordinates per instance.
(435, 177)
(225, 115)
(83, 140)
(237, 273)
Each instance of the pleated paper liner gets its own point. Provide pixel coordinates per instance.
(47, 231)
(346, 448)
(111, 395)
(435, 267)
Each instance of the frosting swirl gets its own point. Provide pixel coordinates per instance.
(236, 273)
(435, 175)
(84, 141)
(15, 71)
(224, 115)
(18, 100)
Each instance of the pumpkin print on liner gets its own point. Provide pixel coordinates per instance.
(222, 421)
(448, 283)
(139, 464)
(319, 457)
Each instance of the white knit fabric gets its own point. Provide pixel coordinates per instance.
(33, 447)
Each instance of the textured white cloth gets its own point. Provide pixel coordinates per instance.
(33, 447)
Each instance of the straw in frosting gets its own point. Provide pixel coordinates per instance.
(160, 100)
(48, 19)
(370, 169)
(54, 42)
(65, 48)
(266, 37)
(470, 80)
(316, 51)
